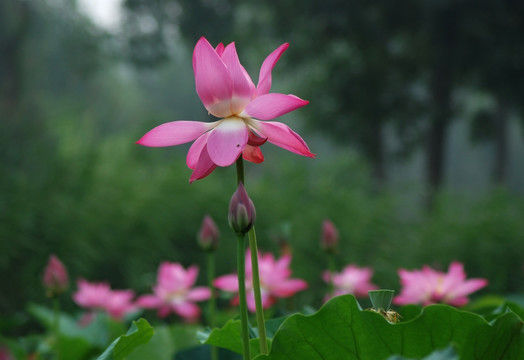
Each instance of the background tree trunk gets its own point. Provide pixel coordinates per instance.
(443, 70)
(12, 39)
(501, 144)
(437, 132)
(377, 158)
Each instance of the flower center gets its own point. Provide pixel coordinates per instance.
(176, 296)
(236, 118)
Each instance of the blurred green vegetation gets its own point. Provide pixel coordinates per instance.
(74, 183)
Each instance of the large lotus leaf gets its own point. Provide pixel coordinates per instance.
(444, 354)
(342, 330)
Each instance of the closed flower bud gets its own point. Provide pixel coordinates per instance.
(208, 235)
(329, 239)
(55, 278)
(241, 211)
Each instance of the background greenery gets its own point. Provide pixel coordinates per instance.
(415, 116)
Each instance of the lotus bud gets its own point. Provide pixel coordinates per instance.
(56, 279)
(241, 211)
(208, 235)
(329, 238)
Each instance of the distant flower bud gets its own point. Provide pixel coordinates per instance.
(55, 278)
(329, 239)
(241, 211)
(208, 235)
(5, 353)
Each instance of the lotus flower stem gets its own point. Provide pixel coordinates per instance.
(212, 300)
(256, 278)
(256, 288)
(332, 270)
(240, 170)
(241, 263)
(56, 326)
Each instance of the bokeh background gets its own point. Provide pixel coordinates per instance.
(415, 114)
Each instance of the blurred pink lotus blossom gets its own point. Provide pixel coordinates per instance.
(227, 92)
(174, 292)
(428, 286)
(351, 280)
(93, 295)
(56, 279)
(274, 280)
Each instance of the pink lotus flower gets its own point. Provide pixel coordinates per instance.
(428, 286)
(352, 280)
(174, 292)
(274, 281)
(227, 92)
(117, 303)
(56, 279)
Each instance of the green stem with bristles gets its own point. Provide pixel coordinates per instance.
(240, 170)
(256, 288)
(212, 300)
(332, 269)
(56, 326)
(255, 273)
(241, 264)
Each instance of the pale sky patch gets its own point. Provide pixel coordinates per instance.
(105, 13)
